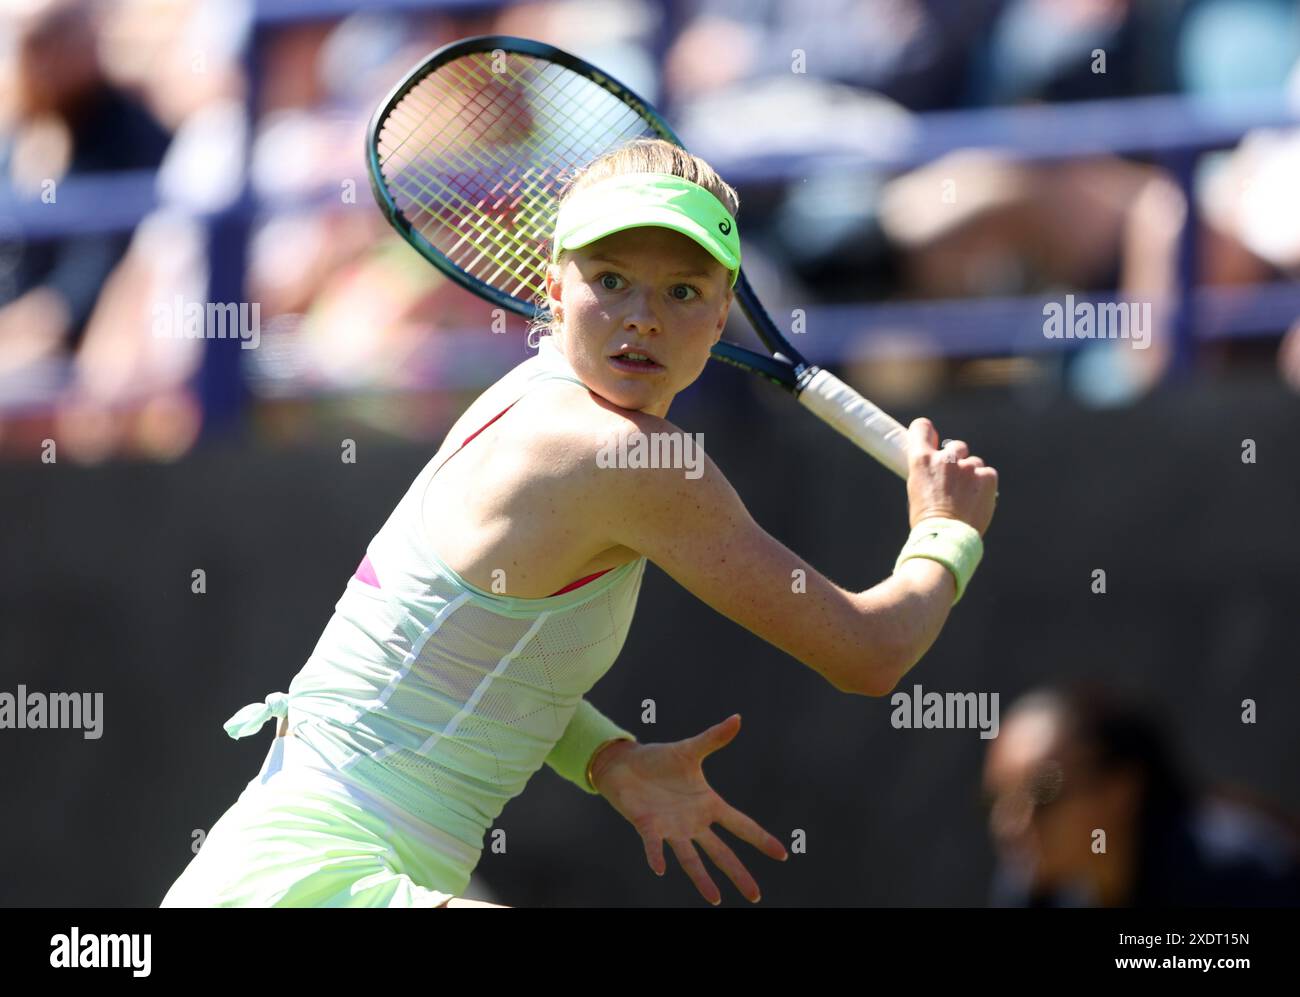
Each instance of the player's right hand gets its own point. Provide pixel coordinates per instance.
(949, 482)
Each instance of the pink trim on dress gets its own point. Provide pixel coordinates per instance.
(578, 584)
(366, 572)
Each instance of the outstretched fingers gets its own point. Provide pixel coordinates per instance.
(654, 854)
(686, 854)
(725, 859)
(747, 829)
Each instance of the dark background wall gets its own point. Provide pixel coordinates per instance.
(1201, 551)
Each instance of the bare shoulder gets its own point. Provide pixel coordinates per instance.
(609, 465)
(633, 464)
(602, 481)
(527, 495)
(570, 427)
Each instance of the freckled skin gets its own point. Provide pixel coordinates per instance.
(666, 297)
(629, 290)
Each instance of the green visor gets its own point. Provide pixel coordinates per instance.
(632, 200)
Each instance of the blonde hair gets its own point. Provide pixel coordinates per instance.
(643, 155)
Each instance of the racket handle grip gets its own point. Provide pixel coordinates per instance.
(835, 403)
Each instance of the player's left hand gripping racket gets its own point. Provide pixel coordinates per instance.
(467, 157)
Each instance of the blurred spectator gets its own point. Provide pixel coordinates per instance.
(913, 52)
(741, 79)
(616, 35)
(745, 81)
(1247, 212)
(68, 121)
(1069, 764)
(1091, 225)
(970, 224)
(1062, 50)
(181, 56)
(1230, 47)
(982, 224)
(130, 393)
(347, 305)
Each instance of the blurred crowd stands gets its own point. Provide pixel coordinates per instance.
(917, 176)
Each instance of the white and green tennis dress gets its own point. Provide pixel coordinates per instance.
(425, 707)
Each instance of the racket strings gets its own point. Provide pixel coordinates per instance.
(452, 206)
(477, 241)
(456, 205)
(483, 189)
(542, 197)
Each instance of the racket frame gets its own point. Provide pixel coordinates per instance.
(786, 367)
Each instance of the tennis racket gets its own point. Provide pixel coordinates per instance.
(467, 156)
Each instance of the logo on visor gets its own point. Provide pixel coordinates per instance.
(724, 228)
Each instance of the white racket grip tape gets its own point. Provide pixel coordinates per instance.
(834, 402)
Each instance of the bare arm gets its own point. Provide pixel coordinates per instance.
(699, 531)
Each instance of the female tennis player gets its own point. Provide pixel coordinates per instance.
(502, 586)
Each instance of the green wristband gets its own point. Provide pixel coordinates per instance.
(586, 732)
(954, 544)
